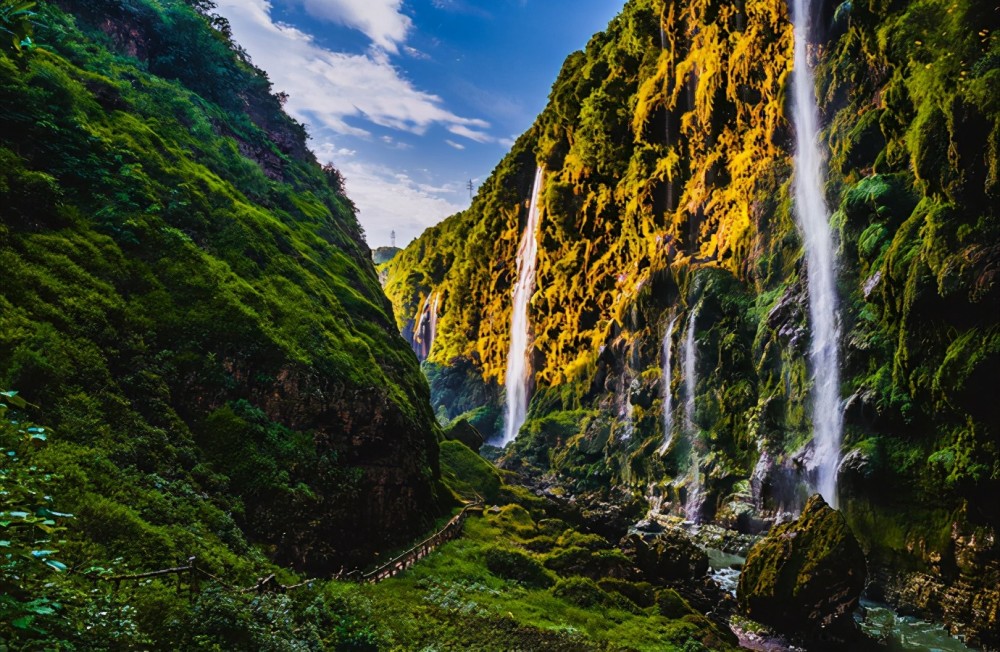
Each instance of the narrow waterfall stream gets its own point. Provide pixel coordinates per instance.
(435, 307)
(668, 399)
(813, 215)
(518, 363)
(692, 505)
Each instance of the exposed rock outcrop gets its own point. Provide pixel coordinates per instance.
(667, 556)
(806, 577)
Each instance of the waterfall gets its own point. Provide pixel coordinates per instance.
(690, 375)
(433, 323)
(813, 218)
(518, 363)
(426, 328)
(692, 505)
(668, 401)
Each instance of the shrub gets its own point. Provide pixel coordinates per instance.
(518, 566)
(581, 591)
(641, 593)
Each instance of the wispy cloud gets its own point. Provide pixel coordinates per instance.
(380, 20)
(455, 145)
(338, 90)
(472, 134)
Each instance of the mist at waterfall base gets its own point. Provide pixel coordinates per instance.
(518, 378)
(812, 216)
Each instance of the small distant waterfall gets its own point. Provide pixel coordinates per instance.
(813, 218)
(692, 505)
(668, 399)
(518, 362)
(426, 328)
(627, 412)
(433, 323)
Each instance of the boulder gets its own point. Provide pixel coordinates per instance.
(665, 557)
(806, 577)
(466, 433)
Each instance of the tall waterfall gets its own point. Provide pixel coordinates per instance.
(518, 362)
(692, 505)
(690, 374)
(668, 399)
(813, 218)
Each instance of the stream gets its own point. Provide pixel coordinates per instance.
(896, 633)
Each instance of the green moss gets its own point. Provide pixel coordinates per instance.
(467, 473)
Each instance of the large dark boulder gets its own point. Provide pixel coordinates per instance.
(806, 577)
(463, 431)
(665, 557)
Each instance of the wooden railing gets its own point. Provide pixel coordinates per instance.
(407, 559)
(193, 575)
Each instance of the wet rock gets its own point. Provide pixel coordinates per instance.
(856, 469)
(965, 596)
(806, 577)
(666, 556)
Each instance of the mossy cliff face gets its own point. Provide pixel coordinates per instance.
(666, 145)
(188, 299)
(806, 576)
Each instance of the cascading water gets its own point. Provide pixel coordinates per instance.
(433, 321)
(518, 363)
(690, 375)
(668, 400)
(692, 506)
(813, 218)
(426, 328)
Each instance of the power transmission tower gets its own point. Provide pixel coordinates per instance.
(392, 238)
(469, 186)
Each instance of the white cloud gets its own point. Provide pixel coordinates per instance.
(458, 146)
(417, 54)
(388, 200)
(328, 89)
(472, 134)
(380, 20)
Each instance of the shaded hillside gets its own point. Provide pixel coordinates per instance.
(189, 303)
(666, 145)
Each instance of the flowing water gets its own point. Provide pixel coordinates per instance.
(668, 400)
(813, 218)
(692, 504)
(433, 321)
(900, 633)
(690, 375)
(426, 329)
(894, 632)
(518, 378)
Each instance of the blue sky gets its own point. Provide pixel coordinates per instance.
(412, 98)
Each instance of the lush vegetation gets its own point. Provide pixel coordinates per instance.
(666, 144)
(190, 308)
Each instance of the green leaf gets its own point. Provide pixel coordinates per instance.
(14, 399)
(58, 565)
(22, 623)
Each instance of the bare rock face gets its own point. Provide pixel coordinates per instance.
(806, 577)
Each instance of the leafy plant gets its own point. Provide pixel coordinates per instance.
(16, 23)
